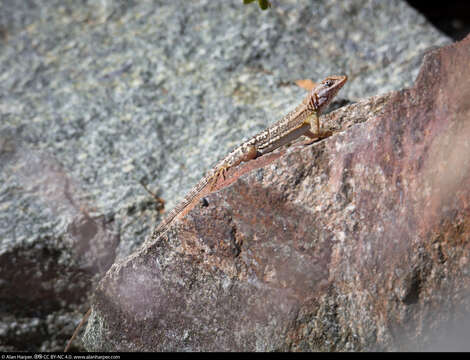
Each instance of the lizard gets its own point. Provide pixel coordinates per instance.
(303, 121)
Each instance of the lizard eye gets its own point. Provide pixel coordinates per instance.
(328, 83)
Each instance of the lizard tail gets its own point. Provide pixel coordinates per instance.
(163, 227)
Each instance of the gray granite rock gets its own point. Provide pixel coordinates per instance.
(97, 96)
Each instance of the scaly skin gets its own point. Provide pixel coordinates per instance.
(295, 124)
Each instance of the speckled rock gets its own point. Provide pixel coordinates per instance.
(359, 242)
(97, 96)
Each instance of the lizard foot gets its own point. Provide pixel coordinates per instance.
(317, 137)
(218, 173)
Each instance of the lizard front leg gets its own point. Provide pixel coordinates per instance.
(318, 135)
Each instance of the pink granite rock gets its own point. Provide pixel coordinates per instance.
(358, 242)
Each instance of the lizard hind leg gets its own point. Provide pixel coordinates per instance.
(220, 172)
(245, 153)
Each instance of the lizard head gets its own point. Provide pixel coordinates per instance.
(325, 91)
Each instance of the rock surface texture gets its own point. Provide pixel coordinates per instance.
(96, 96)
(359, 242)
